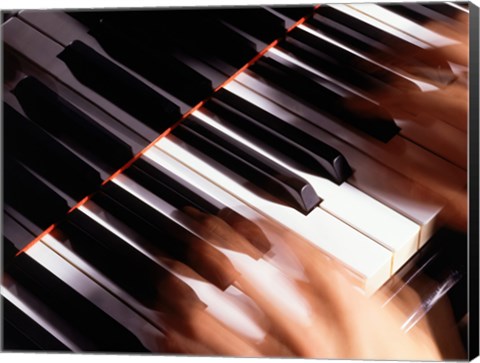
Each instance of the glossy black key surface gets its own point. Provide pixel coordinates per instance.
(317, 93)
(415, 12)
(47, 157)
(257, 22)
(118, 261)
(363, 28)
(294, 12)
(260, 171)
(187, 195)
(314, 155)
(71, 126)
(367, 39)
(15, 238)
(341, 64)
(31, 196)
(96, 330)
(154, 63)
(22, 333)
(194, 31)
(446, 9)
(119, 86)
(166, 234)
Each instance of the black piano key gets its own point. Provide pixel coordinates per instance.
(344, 34)
(98, 331)
(414, 12)
(22, 333)
(294, 12)
(342, 64)
(194, 31)
(46, 156)
(317, 157)
(207, 35)
(71, 126)
(30, 196)
(170, 237)
(257, 22)
(15, 237)
(364, 28)
(446, 9)
(286, 186)
(110, 256)
(380, 125)
(381, 45)
(152, 62)
(9, 251)
(189, 195)
(120, 87)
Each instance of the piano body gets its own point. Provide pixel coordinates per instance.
(116, 121)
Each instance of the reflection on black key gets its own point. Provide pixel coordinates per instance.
(120, 87)
(153, 62)
(71, 126)
(315, 155)
(379, 44)
(445, 9)
(30, 196)
(15, 238)
(111, 255)
(414, 12)
(381, 126)
(46, 156)
(98, 331)
(256, 21)
(294, 12)
(286, 186)
(22, 333)
(340, 63)
(193, 31)
(173, 185)
(365, 29)
(170, 237)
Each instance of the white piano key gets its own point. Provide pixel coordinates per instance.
(399, 154)
(370, 261)
(382, 224)
(407, 26)
(276, 255)
(149, 335)
(399, 192)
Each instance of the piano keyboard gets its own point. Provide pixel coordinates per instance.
(117, 122)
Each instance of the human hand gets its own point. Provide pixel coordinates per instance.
(319, 315)
(439, 110)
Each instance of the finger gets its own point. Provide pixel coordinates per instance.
(246, 228)
(175, 296)
(211, 263)
(215, 336)
(219, 233)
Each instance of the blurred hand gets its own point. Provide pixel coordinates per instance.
(321, 315)
(446, 102)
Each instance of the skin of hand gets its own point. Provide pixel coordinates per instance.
(447, 103)
(342, 322)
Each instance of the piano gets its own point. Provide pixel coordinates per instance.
(118, 121)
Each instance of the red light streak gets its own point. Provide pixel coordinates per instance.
(167, 131)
